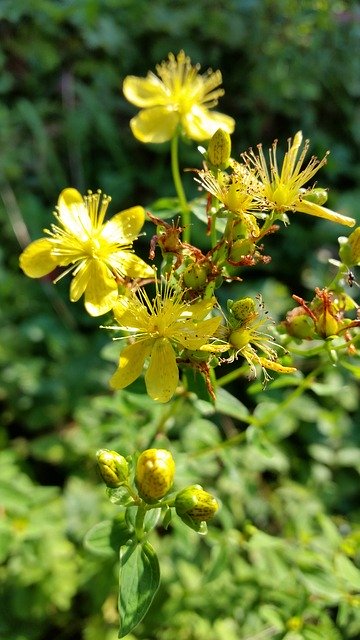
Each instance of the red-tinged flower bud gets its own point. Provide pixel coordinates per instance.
(299, 324)
(219, 149)
(113, 468)
(196, 503)
(326, 325)
(154, 476)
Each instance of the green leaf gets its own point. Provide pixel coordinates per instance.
(228, 405)
(139, 578)
(165, 208)
(106, 537)
(346, 570)
(198, 207)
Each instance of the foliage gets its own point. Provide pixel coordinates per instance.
(281, 556)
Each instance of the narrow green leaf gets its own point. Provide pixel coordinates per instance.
(139, 578)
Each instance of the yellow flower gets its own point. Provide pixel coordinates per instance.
(236, 191)
(95, 252)
(282, 190)
(163, 327)
(248, 336)
(177, 95)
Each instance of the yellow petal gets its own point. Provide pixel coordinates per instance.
(321, 212)
(36, 260)
(193, 336)
(125, 226)
(145, 92)
(130, 364)
(130, 313)
(201, 124)
(70, 196)
(157, 124)
(276, 366)
(73, 213)
(162, 376)
(199, 310)
(100, 288)
(129, 264)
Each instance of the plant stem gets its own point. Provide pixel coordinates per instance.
(185, 209)
(139, 522)
(229, 377)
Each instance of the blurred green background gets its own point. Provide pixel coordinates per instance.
(286, 65)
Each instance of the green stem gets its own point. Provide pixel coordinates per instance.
(229, 377)
(267, 417)
(185, 209)
(139, 522)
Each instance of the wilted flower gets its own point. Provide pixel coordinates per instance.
(163, 328)
(154, 475)
(247, 336)
(95, 252)
(177, 95)
(282, 189)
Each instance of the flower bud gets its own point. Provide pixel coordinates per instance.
(349, 251)
(243, 309)
(241, 248)
(317, 195)
(154, 476)
(299, 324)
(196, 503)
(326, 325)
(195, 276)
(239, 338)
(113, 468)
(219, 149)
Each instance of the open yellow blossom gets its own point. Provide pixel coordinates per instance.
(177, 95)
(282, 190)
(236, 192)
(163, 328)
(96, 253)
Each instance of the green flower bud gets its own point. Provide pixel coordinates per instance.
(239, 338)
(317, 195)
(299, 324)
(113, 468)
(241, 248)
(349, 251)
(219, 149)
(243, 309)
(154, 476)
(195, 276)
(196, 503)
(326, 325)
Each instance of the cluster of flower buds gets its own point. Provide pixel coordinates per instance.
(322, 318)
(154, 473)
